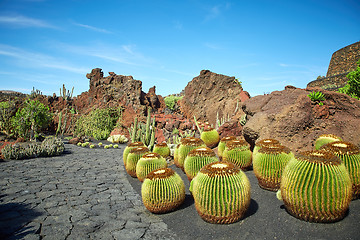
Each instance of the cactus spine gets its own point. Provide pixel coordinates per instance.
(196, 159)
(316, 187)
(221, 192)
(147, 163)
(162, 191)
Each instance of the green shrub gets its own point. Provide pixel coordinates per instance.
(7, 111)
(31, 119)
(316, 96)
(98, 123)
(352, 88)
(171, 101)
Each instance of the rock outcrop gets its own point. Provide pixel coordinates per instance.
(210, 94)
(292, 118)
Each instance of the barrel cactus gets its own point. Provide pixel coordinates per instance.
(196, 159)
(222, 144)
(210, 137)
(268, 165)
(263, 143)
(132, 159)
(162, 149)
(238, 152)
(221, 192)
(147, 163)
(163, 190)
(349, 154)
(316, 187)
(129, 147)
(186, 145)
(324, 139)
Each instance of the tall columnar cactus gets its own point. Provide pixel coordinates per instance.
(324, 139)
(196, 159)
(222, 144)
(238, 152)
(162, 149)
(147, 163)
(268, 165)
(221, 192)
(187, 144)
(163, 190)
(132, 159)
(144, 132)
(316, 187)
(263, 143)
(210, 137)
(349, 154)
(129, 147)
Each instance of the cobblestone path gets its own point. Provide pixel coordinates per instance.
(82, 194)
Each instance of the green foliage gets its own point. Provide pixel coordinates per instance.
(98, 123)
(7, 110)
(352, 88)
(31, 119)
(317, 97)
(238, 81)
(171, 101)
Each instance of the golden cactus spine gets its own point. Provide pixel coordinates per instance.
(221, 192)
(349, 154)
(222, 144)
(196, 159)
(316, 187)
(210, 137)
(239, 153)
(129, 147)
(263, 143)
(148, 163)
(268, 165)
(186, 145)
(162, 191)
(325, 139)
(162, 149)
(133, 158)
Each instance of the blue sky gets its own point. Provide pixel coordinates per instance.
(266, 44)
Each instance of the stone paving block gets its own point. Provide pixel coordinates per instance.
(129, 234)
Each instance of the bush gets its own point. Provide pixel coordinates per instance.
(171, 101)
(98, 123)
(31, 119)
(352, 88)
(7, 111)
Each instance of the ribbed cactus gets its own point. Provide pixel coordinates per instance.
(132, 159)
(268, 165)
(324, 139)
(222, 144)
(221, 192)
(129, 147)
(349, 154)
(162, 149)
(263, 143)
(316, 187)
(163, 190)
(210, 137)
(186, 145)
(196, 159)
(147, 163)
(238, 152)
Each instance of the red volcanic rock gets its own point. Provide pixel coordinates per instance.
(231, 128)
(159, 136)
(292, 118)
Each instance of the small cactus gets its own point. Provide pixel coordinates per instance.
(147, 163)
(222, 144)
(238, 152)
(221, 192)
(324, 139)
(132, 159)
(162, 149)
(210, 137)
(316, 187)
(196, 159)
(163, 190)
(92, 146)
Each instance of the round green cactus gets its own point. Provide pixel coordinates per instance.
(263, 143)
(210, 137)
(147, 163)
(162, 149)
(163, 190)
(349, 154)
(316, 187)
(196, 159)
(268, 165)
(324, 139)
(222, 144)
(238, 152)
(186, 145)
(132, 159)
(129, 147)
(221, 192)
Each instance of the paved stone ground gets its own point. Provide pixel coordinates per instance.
(82, 194)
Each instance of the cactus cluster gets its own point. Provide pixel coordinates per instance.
(51, 146)
(117, 139)
(132, 159)
(222, 144)
(316, 187)
(196, 159)
(147, 163)
(221, 192)
(129, 147)
(186, 145)
(144, 133)
(239, 153)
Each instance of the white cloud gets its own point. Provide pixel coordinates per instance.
(22, 21)
(96, 29)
